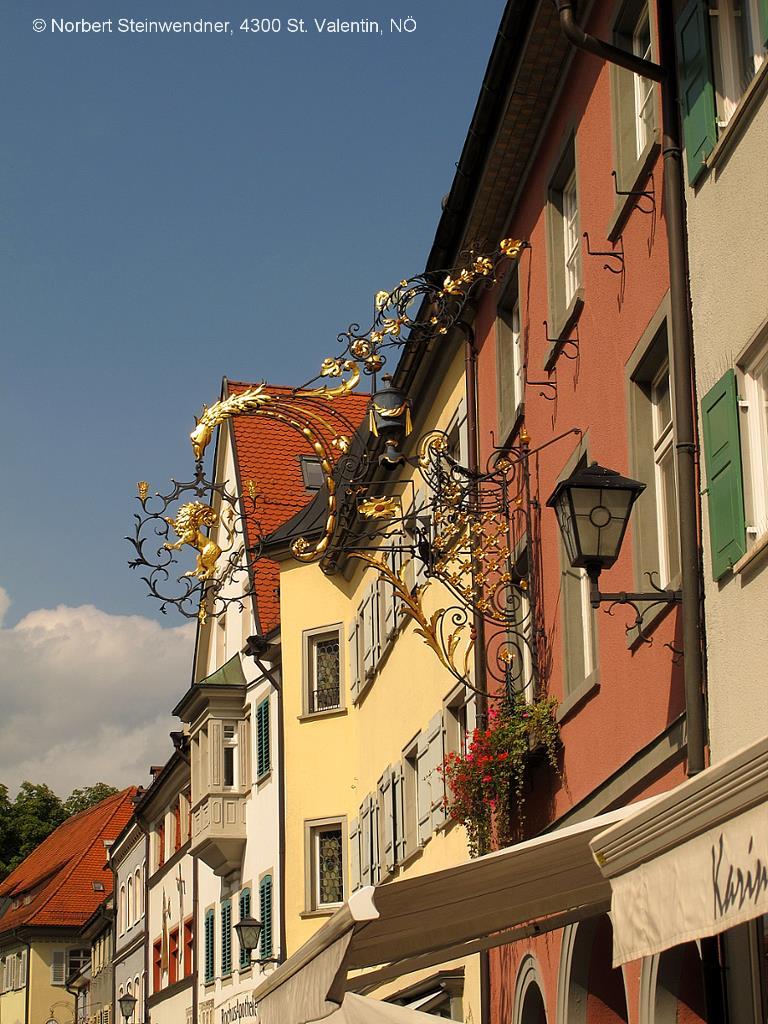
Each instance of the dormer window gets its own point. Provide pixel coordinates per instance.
(312, 472)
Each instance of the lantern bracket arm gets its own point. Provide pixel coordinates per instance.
(657, 595)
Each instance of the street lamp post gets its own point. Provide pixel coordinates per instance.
(127, 1005)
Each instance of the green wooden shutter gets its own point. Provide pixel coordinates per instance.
(226, 938)
(262, 737)
(209, 945)
(265, 911)
(725, 487)
(245, 911)
(697, 94)
(762, 6)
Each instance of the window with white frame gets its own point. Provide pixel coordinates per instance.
(77, 959)
(737, 51)
(518, 654)
(666, 486)
(510, 359)
(323, 670)
(753, 406)
(570, 238)
(643, 87)
(129, 904)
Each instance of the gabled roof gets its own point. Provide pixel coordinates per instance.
(57, 878)
(269, 452)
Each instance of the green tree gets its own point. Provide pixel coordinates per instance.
(34, 814)
(29, 819)
(81, 799)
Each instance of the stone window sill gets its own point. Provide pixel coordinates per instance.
(310, 716)
(329, 912)
(574, 700)
(756, 553)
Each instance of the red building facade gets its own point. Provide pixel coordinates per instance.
(577, 341)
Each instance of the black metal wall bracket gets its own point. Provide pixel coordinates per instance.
(616, 254)
(652, 598)
(649, 194)
(561, 343)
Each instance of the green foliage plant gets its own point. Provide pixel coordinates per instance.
(485, 785)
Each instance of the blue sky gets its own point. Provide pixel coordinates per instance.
(177, 208)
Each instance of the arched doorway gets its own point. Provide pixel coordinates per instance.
(672, 987)
(529, 1007)
(590, 989)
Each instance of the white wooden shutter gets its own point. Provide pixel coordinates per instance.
(387, 821)
(21, 980)
(370, 630)
(387, 603)
(399, 813)
(2, 976)
(423, 794)
(375, 839)
(376, 621)
(365, 841)
(463, 453)
(59, 967)
(436, 741)
(244, 754)
(354, 659)
(354, 854)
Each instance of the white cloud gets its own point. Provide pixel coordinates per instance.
(85, 696)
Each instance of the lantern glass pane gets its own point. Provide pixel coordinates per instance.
(248, 932)
(566, 523)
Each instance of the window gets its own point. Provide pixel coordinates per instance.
(157, 965)
(754, 441)
(77, 959)
(312, 472)
(459, 720)
(323, 670)
(408, 802)
(720, 46)
(245, 911)
(173, 956)
(655, 535)
(579, 630)
(324, 849)
(564, 248)
(519, 652)
(121, 910)
(209, 951)
(229, 754)
(226, 938)
(160, 842)
(263, 758)
(666, 486)
(633, 98)
(188, 947)
(129, 904)
(510, 360)
(265, 915)
(570, 212)
(137, 895)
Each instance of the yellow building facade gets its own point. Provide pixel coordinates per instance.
(369, 713)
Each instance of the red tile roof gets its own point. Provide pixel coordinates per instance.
(268, 453)
(59, 874)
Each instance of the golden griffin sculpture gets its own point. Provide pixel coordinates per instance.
(187, 525)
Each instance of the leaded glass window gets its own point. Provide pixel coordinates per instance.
(329, 865)
(325, 690)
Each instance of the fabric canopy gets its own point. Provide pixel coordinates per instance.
(418, 922)
(361, 1010)
(692, 864)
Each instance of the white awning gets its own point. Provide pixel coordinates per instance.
(430, 919)
(692, 864)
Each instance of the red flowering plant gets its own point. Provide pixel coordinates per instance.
(485, 784)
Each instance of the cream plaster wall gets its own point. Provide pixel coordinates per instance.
(728, 228)
(335, 760)
(47, 1000)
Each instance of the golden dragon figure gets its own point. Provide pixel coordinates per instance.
(257, 399)
(187, 523)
